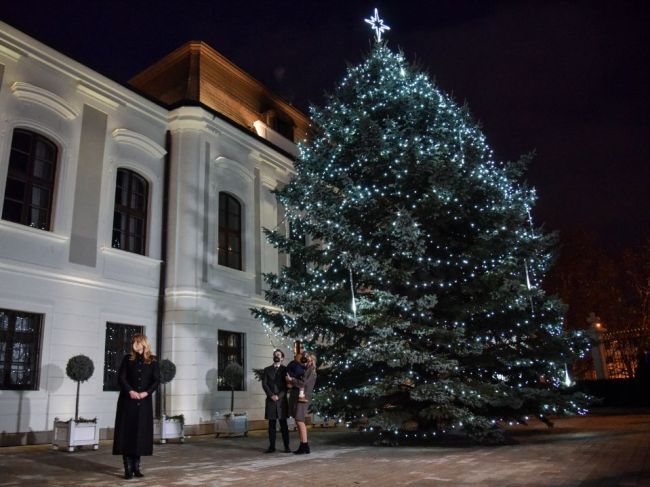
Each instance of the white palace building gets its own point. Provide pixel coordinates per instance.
(134, 209)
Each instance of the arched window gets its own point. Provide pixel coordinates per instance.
(30, 180)
(130, 214)
(230, 231)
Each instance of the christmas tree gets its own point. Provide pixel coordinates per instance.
(415, 266)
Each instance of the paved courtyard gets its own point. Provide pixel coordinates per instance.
(597, 451)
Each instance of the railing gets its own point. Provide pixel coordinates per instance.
(616, 353)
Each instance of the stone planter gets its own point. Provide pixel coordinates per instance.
(71, 434)
(232, 424)
(168, 428)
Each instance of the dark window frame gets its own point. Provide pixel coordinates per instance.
(29, 179)
(9, 338)
(121, 239)
(225, 352)
(229, 252)
(285, 128)
(113, 356)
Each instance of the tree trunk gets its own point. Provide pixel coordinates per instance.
(76, 407)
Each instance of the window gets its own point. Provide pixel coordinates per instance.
(20, 339)
(130, 214)
(118, 344)
(230, 349)
(229, 231)
(284, 128)
(30, 180)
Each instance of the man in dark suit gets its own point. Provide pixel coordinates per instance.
(276, 409)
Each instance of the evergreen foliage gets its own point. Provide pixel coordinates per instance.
(167, 371)
(79, 368)
(398, 197)
(167, 374)
(233, 375)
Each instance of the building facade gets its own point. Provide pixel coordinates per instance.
(134, 209)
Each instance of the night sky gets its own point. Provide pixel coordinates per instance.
(569, 80)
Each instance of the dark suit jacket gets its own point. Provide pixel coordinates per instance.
(273, 383)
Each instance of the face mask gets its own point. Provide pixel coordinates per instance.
(276, 359)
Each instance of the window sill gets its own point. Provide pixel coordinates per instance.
(20, 229)
(130, 256)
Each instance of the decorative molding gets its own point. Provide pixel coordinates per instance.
(139, 141)
(69, 278)
(269, 182)
(225, 163)
(84, 89)
(35, 233)
(130, 256)
(40, 96)
(10, 53)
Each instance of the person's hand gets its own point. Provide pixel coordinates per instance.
(143, 395)
(134, 395)
(274, 397)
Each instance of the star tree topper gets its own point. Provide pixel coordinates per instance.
(377, 25)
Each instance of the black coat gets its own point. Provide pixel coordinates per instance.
(133, 434)
(273, 383)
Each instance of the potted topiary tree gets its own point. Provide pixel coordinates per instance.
(77, 431)
(231, 422)
(168, 427)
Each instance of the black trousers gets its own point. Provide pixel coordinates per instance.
(284, 429)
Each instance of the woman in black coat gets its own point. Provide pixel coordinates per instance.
(139, 376)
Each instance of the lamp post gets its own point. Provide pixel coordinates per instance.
(596, 331)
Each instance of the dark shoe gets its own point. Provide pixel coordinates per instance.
(136, 468)
(287, 449)
(307, 450)
(301, 449)
(269, 450)
(128, 468)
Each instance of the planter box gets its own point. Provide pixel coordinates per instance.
(230, 424)
(70, 434)
(168, 429)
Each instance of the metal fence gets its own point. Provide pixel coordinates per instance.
(620, 351)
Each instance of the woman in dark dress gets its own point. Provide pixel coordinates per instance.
(139, 376)
(298, 409)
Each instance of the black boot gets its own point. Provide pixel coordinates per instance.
(302, 449)
(136, 467)
(128, 468)
(307, 451)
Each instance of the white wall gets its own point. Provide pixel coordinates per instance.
(207, 156)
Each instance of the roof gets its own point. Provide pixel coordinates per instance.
(197, 73)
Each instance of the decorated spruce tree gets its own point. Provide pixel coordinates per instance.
(415, 267)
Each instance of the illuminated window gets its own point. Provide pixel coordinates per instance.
(230, 350)
(130, 213)
(230, 231)
(30, 180)
(20, 338)
(117, 345)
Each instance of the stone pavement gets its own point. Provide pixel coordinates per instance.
(601, 450)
